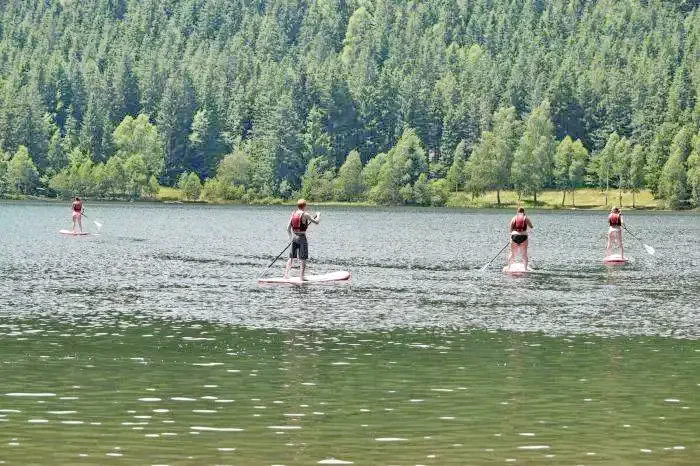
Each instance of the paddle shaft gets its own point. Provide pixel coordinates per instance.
(494, 257)
(278, 256)
(631, 234)
(648, 248)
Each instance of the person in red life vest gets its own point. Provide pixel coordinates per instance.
(77, 209)
(298, 223)
(518, 236)
(615, 231)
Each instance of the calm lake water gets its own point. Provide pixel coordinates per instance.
(152, 343)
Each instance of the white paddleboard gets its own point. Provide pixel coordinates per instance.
(615, 259)
(516, 268)
(73, 233)
(325, 278)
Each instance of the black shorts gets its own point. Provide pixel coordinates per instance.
(518, 239)
(300, 247)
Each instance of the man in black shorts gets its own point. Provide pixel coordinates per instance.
(298, 223)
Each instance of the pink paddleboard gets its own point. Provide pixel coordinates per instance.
(325, 278)
(516, 269)
(615, 259)
(73, 233)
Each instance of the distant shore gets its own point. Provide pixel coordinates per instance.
(585, 199)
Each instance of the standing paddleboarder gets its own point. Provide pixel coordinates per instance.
(518, 236)
(77, 209)
(296, 228)
(615, 232)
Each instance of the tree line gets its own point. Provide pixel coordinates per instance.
(388, 101)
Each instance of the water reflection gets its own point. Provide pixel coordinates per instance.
(151, 389)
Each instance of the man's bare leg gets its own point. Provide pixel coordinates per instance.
(289, 266)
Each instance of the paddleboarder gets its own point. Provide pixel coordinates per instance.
(296, 228)
(77, 209)
(518, 236)
(615, 223)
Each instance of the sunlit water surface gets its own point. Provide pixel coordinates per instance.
(152, 343)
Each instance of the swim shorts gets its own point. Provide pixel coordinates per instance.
(300, 247)
(519, 239)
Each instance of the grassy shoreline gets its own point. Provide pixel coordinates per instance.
(586, 199)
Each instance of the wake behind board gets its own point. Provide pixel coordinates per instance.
(615, 259)
(73, 233)
(325, 278)
(517, 268)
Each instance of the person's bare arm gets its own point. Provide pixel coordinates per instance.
(313, 219)
(529, 223)
(289, 228)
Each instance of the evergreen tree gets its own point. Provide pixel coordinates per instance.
(403, 165)
(125, 87)
(174, 123)
(316, 140)
(95, 134)
(507, 126)
(457, 175)
(56, 158)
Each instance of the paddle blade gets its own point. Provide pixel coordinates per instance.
(98, 224)
(649, 249)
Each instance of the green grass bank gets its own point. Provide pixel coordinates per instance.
(593, 199)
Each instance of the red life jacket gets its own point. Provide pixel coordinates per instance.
(520, 223)
(615, 220)
(77, 206)
(297, 221)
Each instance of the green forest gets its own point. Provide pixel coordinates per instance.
(382, 101)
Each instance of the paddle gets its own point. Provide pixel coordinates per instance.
(648, 248)
(494, 257)
(278, 256)
(97, 224)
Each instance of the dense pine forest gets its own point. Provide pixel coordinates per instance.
(386, 101)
